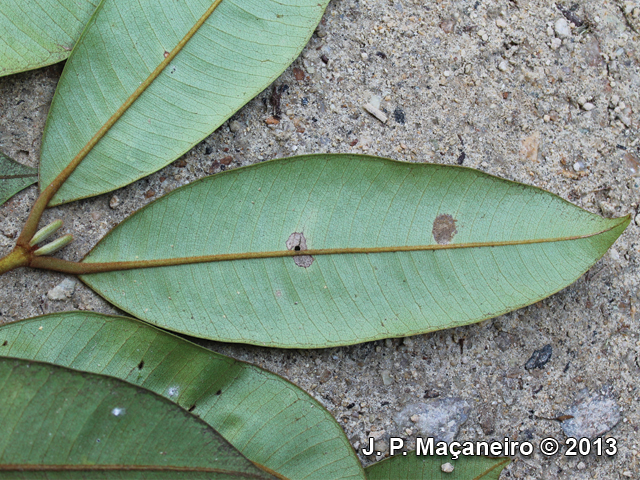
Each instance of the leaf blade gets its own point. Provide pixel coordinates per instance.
(14, 177)
(61, 421)
(269, 420)
(41, 34)
(430, 468)
(216, 72)
(344, 201)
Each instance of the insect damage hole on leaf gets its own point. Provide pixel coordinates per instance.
(444, 228)
(298, 242)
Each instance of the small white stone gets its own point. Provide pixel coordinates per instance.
(581, 466)
(500, 23)
(62, 291)
(615, 99)
(387, 379)
(114, 202)
(562, 28)
(588, 106)
(582, 100)
(235, 126)
(556, 43)
(503, 66)
(447, 468)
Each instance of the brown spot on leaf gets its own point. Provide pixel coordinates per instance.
(5, 343)
(298, 242)
(444, 228)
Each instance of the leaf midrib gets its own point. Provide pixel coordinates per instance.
(106, 127)
(12, 177)
(128, 468)
(85, 268)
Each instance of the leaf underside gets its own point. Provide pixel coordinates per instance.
(340, 202)
(14, 177)
(269, 420)
(241, 48)
(40, 32)
(416, 467)
(60, 423)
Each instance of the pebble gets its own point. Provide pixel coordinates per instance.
(556, 43)
(440, 418)
(562, 28)
(539, 358)
(448, 24)
(114, 202)
(235, 126)
(531, 146)
(386, 377)
(607, 209)
(503, 66)
(615, 99)
(379, 114)
(637, 220)
(625, 119)
(321, 31)
(501, 23)
(446, 467)
(592, 417)
(588, 106)
(62, 291)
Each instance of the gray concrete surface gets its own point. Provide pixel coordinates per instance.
(509, 87)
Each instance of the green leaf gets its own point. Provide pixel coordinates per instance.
(417, 467)
(60, 423)
(14, 177)
(381, 268)
(126, 56)
(271, 421)
(40, 32)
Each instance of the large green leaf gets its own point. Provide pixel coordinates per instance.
(59, 423)
(271, 421)
(14, 177)
(239, 49)
(39, 32)
(416, 467)
(399, 248)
